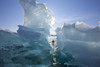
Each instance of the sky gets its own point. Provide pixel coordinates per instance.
(64, 11)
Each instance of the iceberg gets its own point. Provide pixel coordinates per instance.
(82, 41)
(16, 50)
(38, 21)
(37, 16)
(29, 46)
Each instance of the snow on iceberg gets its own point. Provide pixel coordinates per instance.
(82, 41)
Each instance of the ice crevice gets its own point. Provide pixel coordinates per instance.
(38, 21)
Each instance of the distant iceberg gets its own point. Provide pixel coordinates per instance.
(82, 41)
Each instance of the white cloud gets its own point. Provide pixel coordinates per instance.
(69, 19)
(75, 18)
(0, 28)
(99, 22)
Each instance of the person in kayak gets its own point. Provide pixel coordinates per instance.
(53, 42)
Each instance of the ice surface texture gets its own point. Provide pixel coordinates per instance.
(28, 33)
(29, 46)
(19, 51)
(37, 15)
(82, 41)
